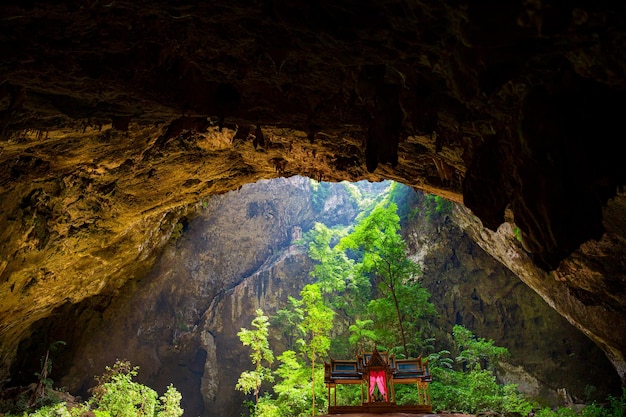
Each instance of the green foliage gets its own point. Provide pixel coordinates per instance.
(300, 387)
(332, 268)
(295, 388)
(317, 322)
(561, 412)
(169, 405)
(402, 304)
(476, 352)
(440, 360)
(320, 193)
(483, 392)
(120, 396)
(348, 394)
(407, 395)
(339, 280)
(437, 206)
(475, 391)
(614, 407)
(266, 407)
(53, 410)
(288, 320)
(362, 337)
(250, 381)
(117, 395)
(514, 402)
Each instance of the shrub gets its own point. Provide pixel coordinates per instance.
(170, 403)
(475, 391)
(116, 395)
(266, 408)
(614, 407)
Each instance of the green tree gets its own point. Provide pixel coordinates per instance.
(294, 384)
(287, 320)
(383, 252)
(477, 352)
(317, 322)
(170, 403)
(332, 267)
(250, 381)
(335, 273)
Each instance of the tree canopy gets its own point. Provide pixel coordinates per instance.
(401, 302)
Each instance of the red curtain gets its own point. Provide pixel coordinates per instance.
(377, 378)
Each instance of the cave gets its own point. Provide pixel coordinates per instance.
(119, 120)
(178, 323)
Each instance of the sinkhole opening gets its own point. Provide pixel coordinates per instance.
(375, 266)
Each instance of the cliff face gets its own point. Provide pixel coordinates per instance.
(471, 288)
(116, 119)
(565, 289)
(179, 323)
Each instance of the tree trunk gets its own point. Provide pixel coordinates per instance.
(395, 302)
(313, 381)
(392, 288)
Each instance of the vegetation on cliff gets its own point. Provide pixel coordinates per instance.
(366, 278)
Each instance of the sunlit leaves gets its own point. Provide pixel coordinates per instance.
(362, 335)
(402, 304)
(333, 268)
(261, 356)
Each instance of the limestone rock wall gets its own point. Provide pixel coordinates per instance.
(267, 289)
(471, 288)
(575, 301)
(117, 117)
(178, 322)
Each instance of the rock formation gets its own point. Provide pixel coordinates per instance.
(478, 292)
(118, 119)
(179, 323)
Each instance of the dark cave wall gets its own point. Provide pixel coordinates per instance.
(471, 288)
(115, 117)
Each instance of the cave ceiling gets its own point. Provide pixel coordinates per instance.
(118, 118)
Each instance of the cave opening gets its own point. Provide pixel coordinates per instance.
(238, 252)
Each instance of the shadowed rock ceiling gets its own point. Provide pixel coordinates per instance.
(117, 118)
